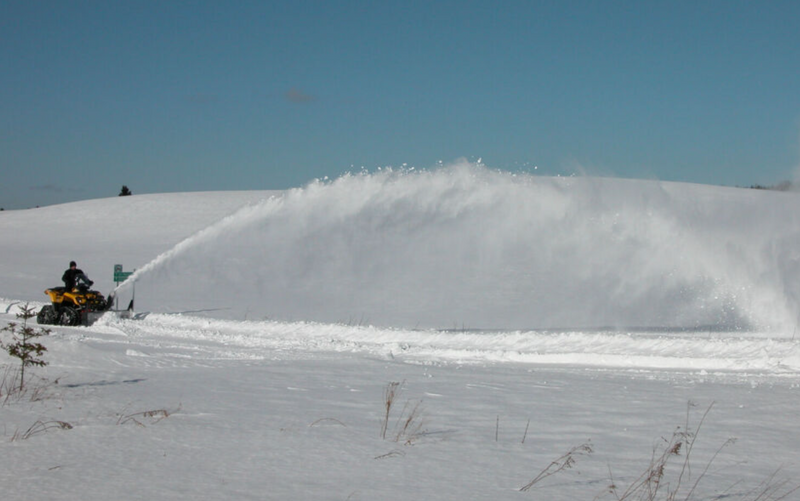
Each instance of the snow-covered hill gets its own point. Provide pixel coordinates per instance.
(522, 317)
(38, 244)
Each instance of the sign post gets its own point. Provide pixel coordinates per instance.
(119, 277)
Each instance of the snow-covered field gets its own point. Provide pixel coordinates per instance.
(520, 316)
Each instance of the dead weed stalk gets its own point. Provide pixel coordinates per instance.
(655, 483)
(564, 462)
(409, 425)
(153, 416)
(41, 427)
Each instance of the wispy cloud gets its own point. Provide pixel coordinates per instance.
(52, 188)
(295, 95)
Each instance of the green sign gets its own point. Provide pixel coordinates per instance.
(122, 276)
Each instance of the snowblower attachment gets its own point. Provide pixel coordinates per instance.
(79, 306)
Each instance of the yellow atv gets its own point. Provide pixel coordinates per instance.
(79, 306)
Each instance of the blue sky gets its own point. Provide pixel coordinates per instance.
(167, 96)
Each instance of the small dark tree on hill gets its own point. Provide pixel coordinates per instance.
(23, 346)
(124, 192)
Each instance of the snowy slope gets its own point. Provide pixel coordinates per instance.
(101, 233)
(203, 397)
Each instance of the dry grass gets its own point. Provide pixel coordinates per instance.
(409, 424)
(389, 396)
(564, 462)
(323, 420)
(41, 427)
(152, 417)
(668, 476)
(391, 454)
(9, 384)
(34, 390)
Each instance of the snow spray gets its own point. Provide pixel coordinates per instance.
(467, 247)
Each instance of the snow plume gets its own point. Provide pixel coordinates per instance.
(466, 247)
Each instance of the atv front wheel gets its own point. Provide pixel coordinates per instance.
(47, 315)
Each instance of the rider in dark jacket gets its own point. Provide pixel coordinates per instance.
(74, 277)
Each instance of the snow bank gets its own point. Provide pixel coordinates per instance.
(713, 352)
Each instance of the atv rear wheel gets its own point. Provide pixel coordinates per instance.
(69, 316)
(47, 315)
